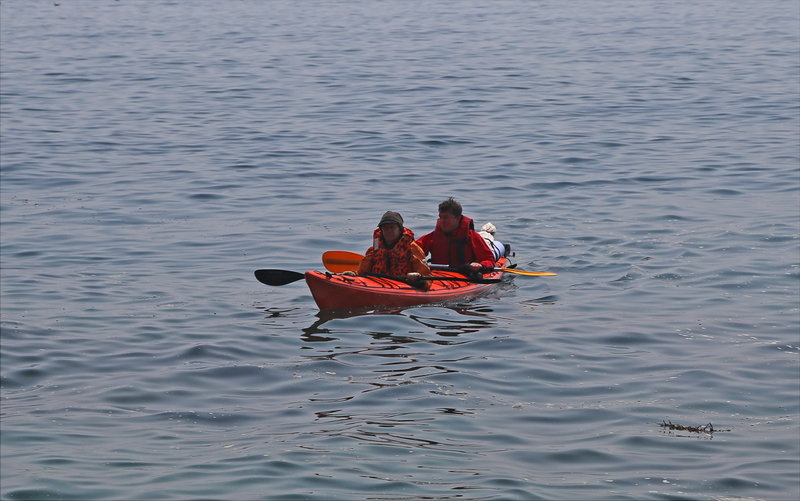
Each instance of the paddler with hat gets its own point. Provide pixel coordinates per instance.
(395, 253)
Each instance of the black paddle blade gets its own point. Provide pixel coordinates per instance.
(278, 277)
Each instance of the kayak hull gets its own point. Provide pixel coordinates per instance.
(332, 291)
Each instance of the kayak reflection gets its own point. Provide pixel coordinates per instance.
(402, 324)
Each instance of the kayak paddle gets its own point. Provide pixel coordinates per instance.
(340, 261)
(278, 277)
(505, 270)
(440, 279)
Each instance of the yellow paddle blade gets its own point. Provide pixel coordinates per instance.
(341, 261)
(529, 273)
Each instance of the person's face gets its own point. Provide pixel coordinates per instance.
(448, 221)
(391, 233)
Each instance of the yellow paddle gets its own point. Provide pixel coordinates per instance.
(341, 261)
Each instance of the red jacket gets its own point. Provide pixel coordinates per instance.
(462, 246)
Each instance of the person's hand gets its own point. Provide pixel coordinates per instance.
(349, 273)
(475, 267)
(413, 277)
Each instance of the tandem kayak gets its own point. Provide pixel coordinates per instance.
(334, 291)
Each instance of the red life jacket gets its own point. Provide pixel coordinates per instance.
(397, 261)
(463, 246)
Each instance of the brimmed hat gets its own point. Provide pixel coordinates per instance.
(391, 217)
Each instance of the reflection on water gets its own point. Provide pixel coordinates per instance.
(425, 316)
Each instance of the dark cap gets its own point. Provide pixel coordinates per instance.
(391, 218)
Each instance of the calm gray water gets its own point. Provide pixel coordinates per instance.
(155, 153)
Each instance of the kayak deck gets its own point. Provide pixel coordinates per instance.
(333, 291)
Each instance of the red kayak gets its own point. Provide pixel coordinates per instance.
(333, 291)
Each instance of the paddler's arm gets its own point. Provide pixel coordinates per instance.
(419, 266)
(418, 262)
(365, 266)
(484, 258)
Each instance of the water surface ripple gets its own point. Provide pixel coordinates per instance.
(155, 153)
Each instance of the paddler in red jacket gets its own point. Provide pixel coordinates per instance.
(395, 253)
(455, 242)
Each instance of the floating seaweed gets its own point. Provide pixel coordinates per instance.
(709, 428)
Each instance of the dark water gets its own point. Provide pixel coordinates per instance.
(155, 153)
